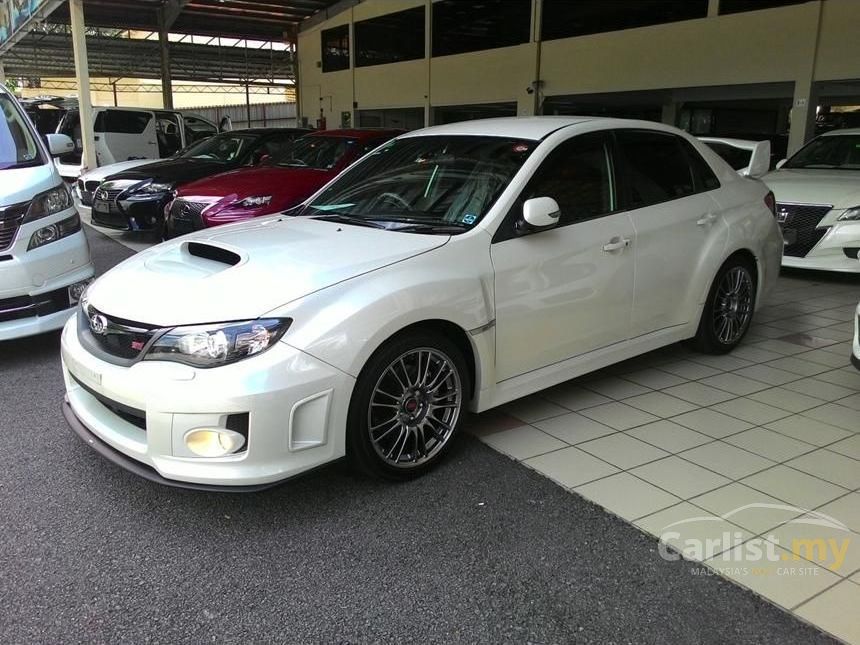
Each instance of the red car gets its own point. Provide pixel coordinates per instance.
(276, 185)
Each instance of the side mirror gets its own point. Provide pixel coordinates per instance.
(780, 163)
(541, 212)
(60, 144)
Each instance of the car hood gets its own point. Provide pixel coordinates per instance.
(271, 262)
(19, 185)
(841, 188)
(174, 170)
(103, 172)
(246, 182)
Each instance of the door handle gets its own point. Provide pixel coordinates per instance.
(706, 220)
(615, 244)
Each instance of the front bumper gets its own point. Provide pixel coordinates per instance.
(297, 409)
(129, 215)
(829, 254)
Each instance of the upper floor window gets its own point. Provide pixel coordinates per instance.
(335, 48)
(460, 27)
(391, 38)
(737, 6)
(563, 18)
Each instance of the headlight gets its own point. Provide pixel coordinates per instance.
(850, 215)
(48, 203)
(153, 188)
(257, 201)
(221, 344)
(54, 232)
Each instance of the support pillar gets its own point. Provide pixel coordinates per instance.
(166, 77)
(82, 72)
(802, 115)
(713, 8)
(2, 73)
(669, 114)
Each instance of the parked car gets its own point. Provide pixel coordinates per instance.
(818, 203)
(282, 182)
(123, 134)
(454, 268)
(134, 200)
(44, 257)
(855, 353)
(87, 184)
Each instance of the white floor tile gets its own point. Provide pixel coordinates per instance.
(751, 411)
(841, 555)
(780, 397)
(574, 397)
(849, 447)
(844, 377)
(615, 387)
(573, 428)
(712, 423)
(683, 525)
(846, 509)
(735, 384)
(627, 496)
(660, 404)
(780, 347)
(808, 430)
(689, 369)
(654, 378)
(769, 444)
(819, 389)
(522, 442)
(680, 477)
(622, 450)
(835, 611)
(700, 393)
(619, 416)
(669, 436)
(747, 507)
(727, 460)
(533, 408)
(570, 467)
(826, 358)
(852, 402)
(829, 466)
(794, 487)
(836, 415)
(755, 354)
(720, 362)
(797, 365)
(765, 374)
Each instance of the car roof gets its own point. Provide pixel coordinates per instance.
(264, 131)
(836, 133)
(521, 127)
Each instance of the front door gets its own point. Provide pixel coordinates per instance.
(565, 291)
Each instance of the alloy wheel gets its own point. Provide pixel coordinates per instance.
(733, 305)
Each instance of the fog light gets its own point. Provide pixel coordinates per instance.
(213, 442)
(77, 290)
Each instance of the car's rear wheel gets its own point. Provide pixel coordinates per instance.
(729, 309)
(407, 406)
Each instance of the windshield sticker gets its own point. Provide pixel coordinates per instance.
(469, 218)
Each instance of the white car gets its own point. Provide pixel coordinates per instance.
(454, 268)
(44, 257)
(818, 203)
(87, 183)
(855, 353)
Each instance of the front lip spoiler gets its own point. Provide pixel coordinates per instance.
(144, 471)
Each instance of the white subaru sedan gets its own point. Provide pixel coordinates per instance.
(453, 269)
(818, 203)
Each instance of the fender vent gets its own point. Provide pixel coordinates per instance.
(214, 253)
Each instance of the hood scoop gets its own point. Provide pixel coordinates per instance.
(214, 253)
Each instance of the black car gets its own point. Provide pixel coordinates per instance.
(134, 200)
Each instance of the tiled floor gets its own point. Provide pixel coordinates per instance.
(733, 449)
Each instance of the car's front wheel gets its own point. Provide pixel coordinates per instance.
(729, 309)
(407, 405)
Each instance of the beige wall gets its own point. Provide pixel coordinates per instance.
(773, 45)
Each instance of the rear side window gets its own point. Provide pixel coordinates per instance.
(703, 177)
(122, 121)
(658, 169)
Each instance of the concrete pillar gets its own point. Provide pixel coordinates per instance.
(82, 71)
(802, 114)
(428, 58)
(166, 77)
(713, 8)
(669, 114)
(2, 73)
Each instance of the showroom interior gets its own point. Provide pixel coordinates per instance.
(673, 496)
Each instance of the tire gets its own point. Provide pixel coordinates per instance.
(419, 377)
(729, 309)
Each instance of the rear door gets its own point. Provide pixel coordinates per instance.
(667, 188)
(122, 135)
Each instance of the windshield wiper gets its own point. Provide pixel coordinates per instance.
(349, 219)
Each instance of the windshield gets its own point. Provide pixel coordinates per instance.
(836, 152)
(225, 147)
(429, 180)
(321, 153)
(18, 148)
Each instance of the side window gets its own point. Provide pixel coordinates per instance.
(122, 121)
(657, 167)
(578, 175)
(703, 176)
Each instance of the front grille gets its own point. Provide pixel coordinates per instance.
(10, 219)
(186, 216)
(85, 193)
(803, 219)
(118, 337)
(109, 195)
(44, 304)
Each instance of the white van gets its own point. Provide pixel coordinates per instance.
(123, 134)
(44, 257)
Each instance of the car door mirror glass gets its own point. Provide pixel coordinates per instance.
(541, 212)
